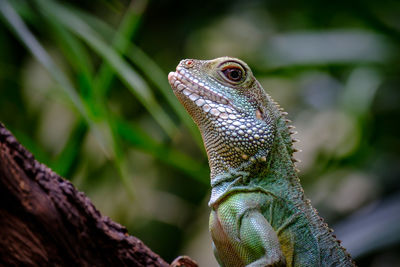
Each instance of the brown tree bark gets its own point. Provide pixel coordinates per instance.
(45, 221)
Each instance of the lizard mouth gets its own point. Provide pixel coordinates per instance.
(195, 90)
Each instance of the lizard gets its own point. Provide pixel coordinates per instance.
(259, 213)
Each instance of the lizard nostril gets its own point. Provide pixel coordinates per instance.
(188, 63)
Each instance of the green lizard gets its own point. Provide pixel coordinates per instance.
(259, 216)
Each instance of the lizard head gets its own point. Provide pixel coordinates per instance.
(230, 108)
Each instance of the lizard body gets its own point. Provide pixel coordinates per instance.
(259, 216)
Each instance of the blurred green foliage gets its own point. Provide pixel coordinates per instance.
(84, 87)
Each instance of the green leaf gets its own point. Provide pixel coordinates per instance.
(157, 76)
(150, 69)
(21, 31)
(94, 103)
(68, 158)
(172, 157)
(28, 39)
(127, 75)
(120, 43)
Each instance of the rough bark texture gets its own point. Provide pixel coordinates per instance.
(45, 221)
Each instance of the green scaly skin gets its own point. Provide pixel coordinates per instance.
(260, 216)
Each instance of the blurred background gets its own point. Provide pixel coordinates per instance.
(83, 85)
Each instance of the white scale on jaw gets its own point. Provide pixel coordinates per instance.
(196, 91)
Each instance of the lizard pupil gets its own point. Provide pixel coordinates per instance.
(233, 74)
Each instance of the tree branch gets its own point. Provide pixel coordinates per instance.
(45, 221)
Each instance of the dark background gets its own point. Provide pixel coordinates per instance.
(83, 85)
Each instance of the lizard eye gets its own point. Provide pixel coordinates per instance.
(233, 74)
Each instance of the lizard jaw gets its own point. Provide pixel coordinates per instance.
(187, 87)
(193, 86)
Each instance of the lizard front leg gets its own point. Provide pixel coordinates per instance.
(243, 236)
(256, 234)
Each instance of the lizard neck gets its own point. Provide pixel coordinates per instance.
(280, 177)
(277, 175)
